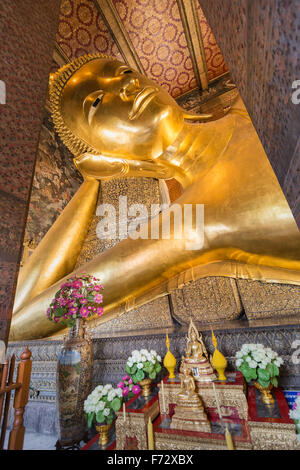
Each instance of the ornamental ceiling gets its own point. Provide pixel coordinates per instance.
(170, 41)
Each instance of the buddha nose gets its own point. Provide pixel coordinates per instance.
(129, 89)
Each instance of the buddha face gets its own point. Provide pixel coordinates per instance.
(193, 335)
(119, 112)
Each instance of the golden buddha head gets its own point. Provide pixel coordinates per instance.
(194, 335)
(101, 105)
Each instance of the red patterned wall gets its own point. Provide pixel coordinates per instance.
(156, 31)
(81, 30)
(214, 60)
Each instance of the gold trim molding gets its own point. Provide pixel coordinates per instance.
(192, 31)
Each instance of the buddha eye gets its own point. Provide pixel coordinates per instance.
(97, 101)
(94, 106)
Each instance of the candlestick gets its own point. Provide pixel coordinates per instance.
(217, 402)
(163, 397)
(228, 438)
(124, 412)
(229, 441)
(150, 435)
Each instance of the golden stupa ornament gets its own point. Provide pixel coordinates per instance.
(169, 360)
(218, 361)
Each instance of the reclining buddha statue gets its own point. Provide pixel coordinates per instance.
(118, 123)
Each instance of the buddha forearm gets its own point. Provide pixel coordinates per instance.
(134, 267)
(102, 167)
(57, 253)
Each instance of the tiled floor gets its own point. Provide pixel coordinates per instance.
(36, 441)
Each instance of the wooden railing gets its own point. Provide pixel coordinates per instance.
(21, 388)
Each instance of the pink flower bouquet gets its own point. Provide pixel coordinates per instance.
(78, 297)
(129, 389)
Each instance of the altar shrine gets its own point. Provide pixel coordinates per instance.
(192, 412)
(252, 424)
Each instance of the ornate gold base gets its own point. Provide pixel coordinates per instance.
(202, 370)
(146, 387)
(190, 419)
(266, 396)
(103, 430)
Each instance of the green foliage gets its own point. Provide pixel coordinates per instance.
(263, 376)
(264, 383)
(116, 404)
(59, 311)
(247, 371)
(109, 419)
(100, 418)
(140, 375)
(148, 367)
(274, 381)
(152, 375)
(90, 419)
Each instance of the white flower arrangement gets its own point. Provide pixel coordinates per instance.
(257, 362)
(142, 363)
(101, 405)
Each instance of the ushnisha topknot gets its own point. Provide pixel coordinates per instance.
(56, 84)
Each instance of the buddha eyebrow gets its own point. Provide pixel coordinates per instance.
(123, 69)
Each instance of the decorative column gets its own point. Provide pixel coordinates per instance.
(27, 34)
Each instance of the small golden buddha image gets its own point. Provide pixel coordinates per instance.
(187, 384)
(118, 124)
(195, 346)
(196, 358)
(189, 410)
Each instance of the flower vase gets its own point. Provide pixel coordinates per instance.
(266, 396)
(146, 387)
(103, 430)
(74, 383)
